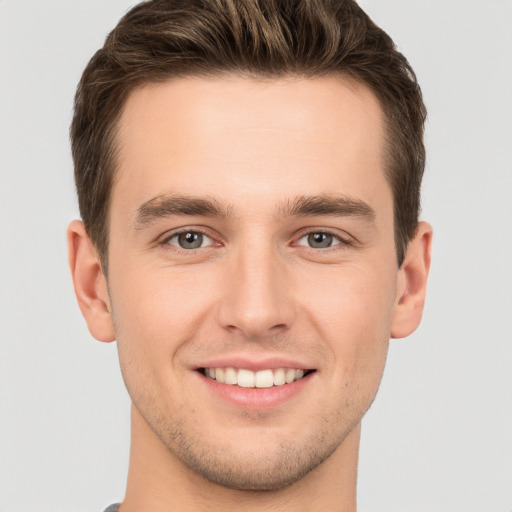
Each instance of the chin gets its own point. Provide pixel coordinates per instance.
(258, 472)
(262, 467)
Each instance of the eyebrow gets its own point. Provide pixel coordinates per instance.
(328, 205)
(170, 205)
(302, 206)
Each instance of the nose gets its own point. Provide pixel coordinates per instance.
(257, 300)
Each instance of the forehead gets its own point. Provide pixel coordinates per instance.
(263, 138)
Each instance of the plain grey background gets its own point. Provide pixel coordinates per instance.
(439, 436)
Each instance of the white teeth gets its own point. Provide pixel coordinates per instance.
(289, 376)
(219, 374)
(245, 378)
(230, 376)
(264, 379)
(279, 378)
(249, 379)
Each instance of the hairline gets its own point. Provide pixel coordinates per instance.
(345, 76)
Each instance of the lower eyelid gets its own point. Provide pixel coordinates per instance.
(210, 241)
(337, 239)
(167, 239)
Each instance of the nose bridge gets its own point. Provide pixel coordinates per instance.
(256, 299)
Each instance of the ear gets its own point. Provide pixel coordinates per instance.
(90, 284)
(412, 283)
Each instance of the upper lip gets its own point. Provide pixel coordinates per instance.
(255, 364)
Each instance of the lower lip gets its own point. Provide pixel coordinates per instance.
(256, 398)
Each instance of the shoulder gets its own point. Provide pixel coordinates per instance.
(113, 508)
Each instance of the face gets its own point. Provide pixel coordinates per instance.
(252, 270)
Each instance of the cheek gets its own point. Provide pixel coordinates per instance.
(155, 315)
(352, 310)
(159, 304)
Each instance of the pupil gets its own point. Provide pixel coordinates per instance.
(190, 240)
(320, 240)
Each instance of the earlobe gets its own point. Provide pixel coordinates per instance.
(89, 282)
(412, 283)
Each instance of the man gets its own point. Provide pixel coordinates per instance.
(248, 176)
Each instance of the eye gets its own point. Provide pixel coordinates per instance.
(189, 240)
(319, 240)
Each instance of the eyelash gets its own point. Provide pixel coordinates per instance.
(166, 240)
(341, 241)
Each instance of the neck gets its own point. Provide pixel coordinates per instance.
(159, 482)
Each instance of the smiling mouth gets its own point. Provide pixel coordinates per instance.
(261, 379)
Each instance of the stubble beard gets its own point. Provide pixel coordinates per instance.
(254, 469)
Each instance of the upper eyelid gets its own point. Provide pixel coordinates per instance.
(342, 237)
(307, 233)
(164, 241)
(339, 241)
(187, 229)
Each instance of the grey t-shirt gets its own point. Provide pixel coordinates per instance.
(113, 508)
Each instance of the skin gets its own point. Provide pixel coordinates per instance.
(256, 288)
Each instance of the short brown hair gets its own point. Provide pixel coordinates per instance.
(161, 39)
